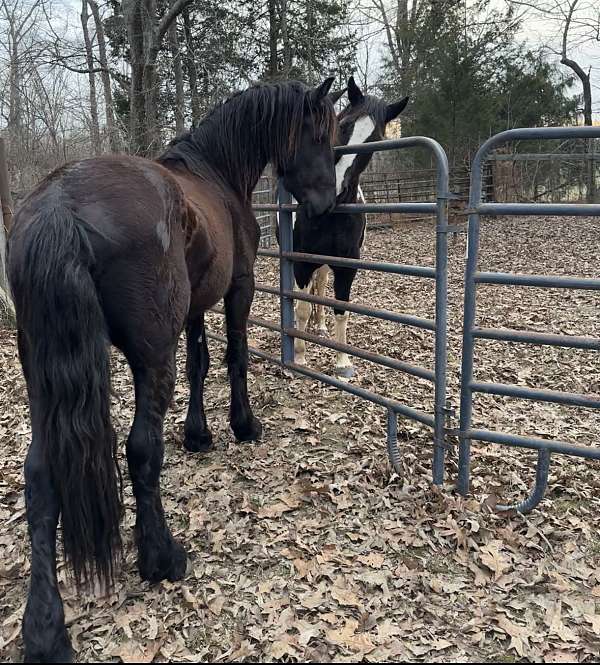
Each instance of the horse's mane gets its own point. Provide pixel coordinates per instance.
(238, 137)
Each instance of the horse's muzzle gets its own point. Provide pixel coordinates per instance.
(318, 205)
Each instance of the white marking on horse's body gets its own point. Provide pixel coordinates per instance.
(320, 278)
(341, 325)
(162, 231)
(303, 310)
(363, 128)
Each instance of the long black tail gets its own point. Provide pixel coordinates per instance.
(65, 357)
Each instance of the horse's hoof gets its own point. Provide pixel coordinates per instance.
(168, 563)
(60, 651)
(344, 372)
(198, 442)
(178, 566)
(249, 431)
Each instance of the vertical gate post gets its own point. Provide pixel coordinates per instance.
(286, 275)
(468, 344)
(441, 317)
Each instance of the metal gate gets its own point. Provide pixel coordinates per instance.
(438, 326)
(472, 332)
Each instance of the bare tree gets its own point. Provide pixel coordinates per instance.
(190, 61)
(146, 31)
(178, 76)
(89, 55)
(113, 136)
(577, 26)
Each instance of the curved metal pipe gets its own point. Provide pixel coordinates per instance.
(539, 489)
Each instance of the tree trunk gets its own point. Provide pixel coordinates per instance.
(587, 98)
(191, 67)
(178, 74)
(89, 56)
(113, 138)
(287, 51)
(7, 312)
(146, 33)
(15, 126)
(273, 70)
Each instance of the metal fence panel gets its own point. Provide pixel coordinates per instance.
(438, 326)
(471, 332)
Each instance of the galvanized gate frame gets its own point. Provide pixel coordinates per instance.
(471, 332)
(288, 294)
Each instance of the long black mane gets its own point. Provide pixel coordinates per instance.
(240, 136)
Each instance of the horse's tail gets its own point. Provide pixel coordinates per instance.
(64, 351)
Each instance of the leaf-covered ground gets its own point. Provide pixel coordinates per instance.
(306, 547)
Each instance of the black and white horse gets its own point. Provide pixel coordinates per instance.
(339, 234)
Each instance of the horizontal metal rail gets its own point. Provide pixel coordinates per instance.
(538, 394)
(547, 209)
(254, 320)
(542, 281)
(384, 314)
(391, 404)
(544, 157)
(532, 337)
(413, 208)
(552, 446)
(386, 361)
(360, 264)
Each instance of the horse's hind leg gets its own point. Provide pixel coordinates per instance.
(159, 556)
(237, 307)
(319, 286)
(44, 634)
(342, 284)
(197, 435)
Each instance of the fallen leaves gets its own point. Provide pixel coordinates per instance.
(305, 548)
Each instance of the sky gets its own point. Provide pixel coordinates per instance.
(538, 30)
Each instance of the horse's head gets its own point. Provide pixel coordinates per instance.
(309, 173)
(362, 121)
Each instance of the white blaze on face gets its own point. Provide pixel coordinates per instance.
(363, 128)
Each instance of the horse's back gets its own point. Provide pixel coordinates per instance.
(129, 210)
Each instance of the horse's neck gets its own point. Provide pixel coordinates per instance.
(350, 193)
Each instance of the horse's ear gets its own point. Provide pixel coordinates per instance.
(395, 109)
(335, 96)
(354, 92)
(321, 92)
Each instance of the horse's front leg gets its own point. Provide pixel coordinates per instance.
(237, 308)
(197, 435)
(44, 634)
(342, 284)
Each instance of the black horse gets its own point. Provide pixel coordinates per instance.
(339, 234)
(126, 250)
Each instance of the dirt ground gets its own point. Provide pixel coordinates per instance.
(306, 546)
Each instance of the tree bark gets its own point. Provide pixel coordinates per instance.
(7, 312)
(192, 73)
(146, 34)
(178, 75)
(587, 99)
(89, 56)
(113, 138)
(273, 70)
